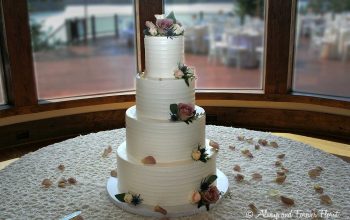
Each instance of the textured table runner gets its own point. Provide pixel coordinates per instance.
(22, 195)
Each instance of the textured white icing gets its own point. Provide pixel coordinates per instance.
(162, 55)
(165, 140)
(154, 96)
(165, 184)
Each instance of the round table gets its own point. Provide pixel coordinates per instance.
(24, 197)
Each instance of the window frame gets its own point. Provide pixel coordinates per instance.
(277, 70)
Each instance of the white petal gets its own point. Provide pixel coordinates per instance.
(162, 16)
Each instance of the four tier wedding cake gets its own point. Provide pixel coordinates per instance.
(166, 160)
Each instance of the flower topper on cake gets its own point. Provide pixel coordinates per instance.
(207, 194)
(184, 72)
(165, 26)
(129, 198)
(183, 112)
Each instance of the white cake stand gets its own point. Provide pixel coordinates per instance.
(172, 211)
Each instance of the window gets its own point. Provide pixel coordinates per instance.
(82, 48)
(223, 41)
(322, 58)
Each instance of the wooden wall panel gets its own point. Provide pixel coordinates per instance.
(329, 126)
(19, 70)
(40, 132)
(146, 9)
(277, 55)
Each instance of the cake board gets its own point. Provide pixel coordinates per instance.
(172, 211)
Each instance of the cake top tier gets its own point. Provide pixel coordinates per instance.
(164, 46)
(165, 26)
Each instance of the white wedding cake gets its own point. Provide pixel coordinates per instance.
(166, 157)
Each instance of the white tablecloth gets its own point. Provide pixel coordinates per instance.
(23, 197)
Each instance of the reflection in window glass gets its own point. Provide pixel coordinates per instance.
(2, 88)
(82, 47)
(322, 58)
(223, 41)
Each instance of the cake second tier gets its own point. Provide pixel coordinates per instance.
(165, 140)
(154, 96)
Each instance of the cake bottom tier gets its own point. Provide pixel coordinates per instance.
(165, 184)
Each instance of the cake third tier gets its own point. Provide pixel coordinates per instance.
(165, 140)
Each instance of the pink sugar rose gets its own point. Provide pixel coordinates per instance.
(164, 24)
(185, 111)
(212, 195)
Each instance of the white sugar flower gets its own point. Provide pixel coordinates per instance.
(195, 197)
(150, 25)
(196, 155)
(178, 74)
(178, 29)
(162, 16)
(128, 198)
(153, 31)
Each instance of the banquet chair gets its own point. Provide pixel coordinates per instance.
(216, 43)
(239, 48)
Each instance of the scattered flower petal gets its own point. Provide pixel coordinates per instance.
(247, 153)
(281, 173)
(278, 163)
(149, 160)
(61, 167)
(281, 156)
(250, 141)
(287, 201)
(319, 168)
(72, 180)
(114, 173)
(274, 193)
(253, 208)
(262, 142)
(313, 173)
(273, 144)
(46, 183)
(62, 185)
(285, 170)
(326, 200)
(257, 147)
(318, 188)
(280, 179)
(241, 138)
(159, 209)
(232, 147)
(237, 168)
(214, 145)
(239, 177)
(107, 152)
(257, 176)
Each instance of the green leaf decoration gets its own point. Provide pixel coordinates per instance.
(171, 15)
(200, 204)
(211, 179)
(173, 109)
(120, 197)
(187, 83)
